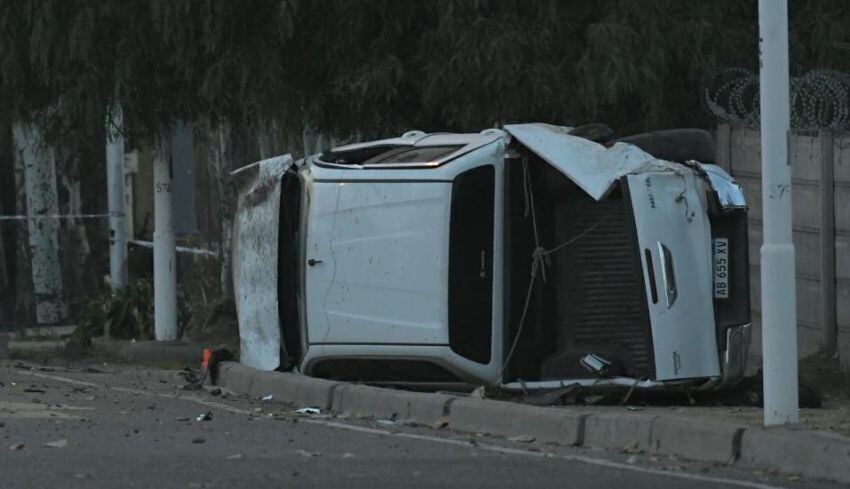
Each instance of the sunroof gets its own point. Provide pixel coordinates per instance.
(408, 155)
(390, 155)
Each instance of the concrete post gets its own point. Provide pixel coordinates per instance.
(778, 277)
(164, 248)
(115, 197)
(827, 241)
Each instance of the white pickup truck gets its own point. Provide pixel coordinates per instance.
(523, 257)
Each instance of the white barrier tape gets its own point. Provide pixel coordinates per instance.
(180, 249)
(61, 216)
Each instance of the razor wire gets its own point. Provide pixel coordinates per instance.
(820, 99)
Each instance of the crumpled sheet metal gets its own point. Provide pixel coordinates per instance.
(592, 166)
(255, 260)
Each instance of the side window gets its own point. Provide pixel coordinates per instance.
(471, 263)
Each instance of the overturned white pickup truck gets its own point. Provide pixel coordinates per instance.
(525, 257)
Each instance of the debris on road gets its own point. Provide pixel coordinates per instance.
(207, 416)
(440, 423)
(522, 438)
(632, 447)
(306, 454)
(57, 444)
(308, 411)
(268, 398)
(478, 393)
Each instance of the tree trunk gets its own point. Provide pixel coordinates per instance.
(39, 162)
(75, 227)
(24, 298)
(220, 142)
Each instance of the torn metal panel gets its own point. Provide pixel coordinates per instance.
(729, 192)
(589, 165)
(255, 261)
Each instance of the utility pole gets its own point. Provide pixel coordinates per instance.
(115, 196)
(778, 297)
(164, 247)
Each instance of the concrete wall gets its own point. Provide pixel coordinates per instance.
(821, 217)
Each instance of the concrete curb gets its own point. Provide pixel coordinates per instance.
(811, 454)
(403, 406)
(629, 432)
(516, 420)
(286, 387)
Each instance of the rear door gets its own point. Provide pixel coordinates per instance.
(674, 237)
(377, 262)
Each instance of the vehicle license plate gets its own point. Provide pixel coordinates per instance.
(721, 268)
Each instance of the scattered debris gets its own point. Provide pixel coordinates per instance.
(563, 396)
(632, 447)
(522, 438)
(596, 365)
(268, 398)
(440, 423)
(306, 454)
(17, 446)
(57, 444)
(207, 416)
(308, 411)
(479, 393)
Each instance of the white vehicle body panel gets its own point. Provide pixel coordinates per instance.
(255, 279)
(589, 165)
(383, 274)
(374, 253)
(670, 215)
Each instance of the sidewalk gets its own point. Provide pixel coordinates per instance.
(719, 435)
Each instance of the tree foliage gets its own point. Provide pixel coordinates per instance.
(379, 66)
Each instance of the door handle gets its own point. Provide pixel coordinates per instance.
(313, 262)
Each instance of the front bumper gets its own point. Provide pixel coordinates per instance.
(735, 357)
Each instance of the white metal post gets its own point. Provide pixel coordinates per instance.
(778, 297)
(115, 197)
(164, 248)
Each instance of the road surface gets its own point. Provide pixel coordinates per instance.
(124, 426)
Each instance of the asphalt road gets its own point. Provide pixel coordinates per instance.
(132, 427)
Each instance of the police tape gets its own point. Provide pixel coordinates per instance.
(61, 216)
